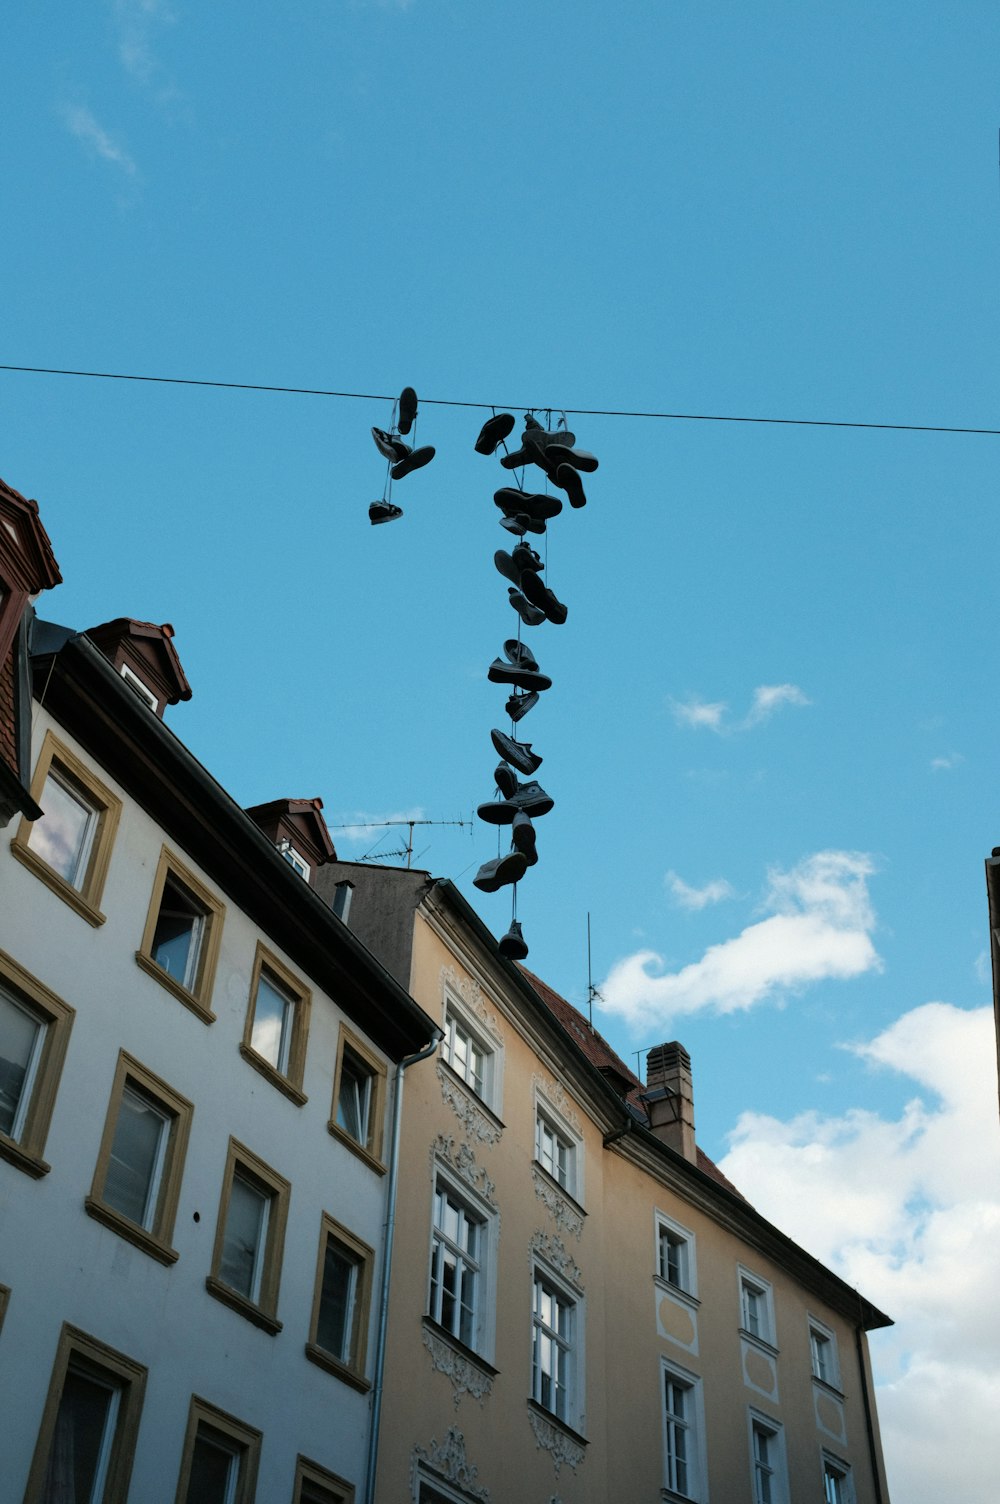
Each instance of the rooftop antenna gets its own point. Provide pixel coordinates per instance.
(592, 991)
(407, 850)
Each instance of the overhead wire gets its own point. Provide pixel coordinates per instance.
(583, 412)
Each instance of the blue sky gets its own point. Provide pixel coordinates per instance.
(771, 737)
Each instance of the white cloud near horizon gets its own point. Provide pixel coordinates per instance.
(819, 927)
(941, 764)
(907, 1209)
(711, 715)
(82, 124)
(687, 897)
(362, 825)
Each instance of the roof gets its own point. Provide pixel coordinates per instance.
(155, 646)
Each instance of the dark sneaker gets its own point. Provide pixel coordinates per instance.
(512, 944)
(532, 616)
(518, 753)
(525, 557)
(514, 503)
(407, 409)
(505, 563)
(541, 596)
(528, 798)
(519, 653)
(393, 449)
(567, 479)
(383, 511)
(522, 835)
(413, 461)
(503, 869)
(541, 438)
(516, 459)
(519, 705)
(580, 459)
(492, 431)
(505, 779)
(500, 672)
(518, 525)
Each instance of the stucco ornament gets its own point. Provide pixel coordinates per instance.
(447, 1460)
(462, 1159)
(473, 1119)
(554, 1440)
(566, 1216)
(470, 994)
(557, 1096)
(466, 1377)
(557, 1255)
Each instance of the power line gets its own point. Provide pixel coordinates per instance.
(582, 412)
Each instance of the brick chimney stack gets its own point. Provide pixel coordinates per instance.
(669, 1097)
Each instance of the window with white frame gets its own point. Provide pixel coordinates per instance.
(294, 860)
(459, 1247)
(675, 1255)
(359, 1098)
(555, 1349)
(767, 1455)
(837, 1485)
(142, 690)
(823, 1353)
(466, 1052)
(756, 1307)
(557, 1151)
(683, 1433)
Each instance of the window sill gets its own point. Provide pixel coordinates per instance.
(558, 1422)
(267, 1070)
(671, 1496)
(242, 1306)
(31, 1164)
(58, 885)
(825, 1386)
(551, 1180)
(761, 1342)
(468, 1353)
(130, 1231)
(471, 1093)
(671, 1289)
(323, 1359)
(356, 1148)
(198, 1008)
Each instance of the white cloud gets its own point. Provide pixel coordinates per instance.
(767, 698)
(942, 764)
(687, 897)
(138, 21)
(908, 1209)
(699, 714)
(390, 829)
(86, 129)
(711, 715)
(819, 928)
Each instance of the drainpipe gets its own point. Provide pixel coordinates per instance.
(368, 1492)
(869, 1425)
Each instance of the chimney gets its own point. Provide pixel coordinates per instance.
(669, 1097)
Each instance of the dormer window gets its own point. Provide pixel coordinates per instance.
(293, 859)
(142, 690)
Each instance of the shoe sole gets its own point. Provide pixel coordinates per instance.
(580, 459)
(492, 431)
(393, 515)
(536, 506)
(509, 869)
(567, 478)
(541, 596)
(521, 678)
(531, 615)
(518, 754)
(520, 656)
(413, 461)
(407, 409)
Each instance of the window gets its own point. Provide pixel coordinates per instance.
(465, 1053)
(837, 1485)
(675, 1255)
(180, 944)
(683, 1433)
(756, 1308)
(767, 1453)
(4, 1302)
(457, 1251)
(359, 1099)
(274, 1040)
(823, 1353)
(220, 1458)
(34, 1032)
(87, 1438)
(317, 1485)
(142, 690)
(555, 1349)
(294, 860)
(555, 1152)
(339, 1328)
(141, 1159)
(250, 1237)
(69, 848)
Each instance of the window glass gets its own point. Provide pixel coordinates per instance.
(763, 1465)
(354, 1100)
(552, 1338)
(338, 1301)
(554, 1153)
(455, 1264)
(678, 1403)
(64, 836)
(136, 1163)
(273, 1019)
(177, 935)
(81, 1441)
(465, 1056)
(214, 1470)
(21, 1036)
(673, 1258)
(246, 1226)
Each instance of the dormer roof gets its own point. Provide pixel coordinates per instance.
(144, 651)
(296, 826)
(28, 560)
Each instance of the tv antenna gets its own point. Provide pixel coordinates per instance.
(592, 991)
(380, 856)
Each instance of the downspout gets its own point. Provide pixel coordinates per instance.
(869, 1428)
(378, 1384)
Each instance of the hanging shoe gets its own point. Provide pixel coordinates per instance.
(413, 461)
(541, 596)
(393, 449)
(580, 459)
(519, 705)
(500, 672)
(528, 798)
(407, 409)
(503, 869)
(493, 431)
(568, 479)
(525, 557)
(519, 654)
(537, 506)
(522, 835)
(541, 438)
(383, 511)
(505, 779)
(518, 753)
(516, 459)
(532, 616)
(512, 944)
(505, 563)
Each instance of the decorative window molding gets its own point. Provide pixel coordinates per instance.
(213, 1435)
(557, 1347)
(685, 1453)
(317, 1485)
(357, 1116)
(36, 1025)
(555, 1253)
(180, 943)
(475, 1118)
(559, 1099)
(445, 1463)
(462, 1283)
(94, 1392)
(768, 1464)
(250, 1238)
(469, 1373)
(461, 1159)
(277, 1025)
(558, 1140)
(554, 1437)
(338, 1328)
(838, 1483)
(567, 1216)
(69, 848)
(473, 1043)
(140, 1163)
